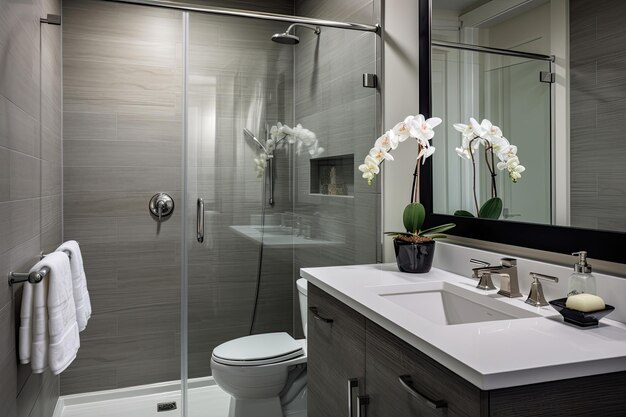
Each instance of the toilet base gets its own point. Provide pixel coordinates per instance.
(266, 407)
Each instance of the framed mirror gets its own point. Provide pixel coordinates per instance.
(551, 75)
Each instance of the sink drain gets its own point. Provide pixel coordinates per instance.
(169, 406)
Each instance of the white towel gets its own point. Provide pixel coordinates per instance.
(48, 330)
(79, 283)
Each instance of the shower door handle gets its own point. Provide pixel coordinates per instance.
(200, 220)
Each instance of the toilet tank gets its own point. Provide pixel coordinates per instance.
(301, 285)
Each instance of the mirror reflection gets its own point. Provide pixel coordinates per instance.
(552, 80)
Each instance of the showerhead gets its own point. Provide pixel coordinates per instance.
(287, 38)
(250, 135)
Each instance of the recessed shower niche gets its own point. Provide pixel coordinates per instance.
(333, 175)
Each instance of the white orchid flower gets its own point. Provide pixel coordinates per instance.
(422, 129)
(507, 152)
(513, 167)
(499, 144)
(369, 169)
(416, 127)
(464, 153)
(492, 132)
(516, 173)
(261, 163)
(380, 154)
(466, 130)
(388, 141)
(402, 130)
(425, 152)
(317, 151)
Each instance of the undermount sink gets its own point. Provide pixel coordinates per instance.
(448, 304)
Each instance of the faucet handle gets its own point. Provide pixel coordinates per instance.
(485, 282)
(508, 262)
(536, 297)
(478, 262)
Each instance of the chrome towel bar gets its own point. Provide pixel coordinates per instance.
(32, 277)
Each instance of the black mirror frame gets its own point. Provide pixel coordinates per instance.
(603, 245)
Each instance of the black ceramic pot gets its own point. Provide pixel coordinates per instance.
(416, 258)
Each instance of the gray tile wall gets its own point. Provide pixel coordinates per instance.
(30, 182)
(598, 109)
(123, 143)
(330, 100)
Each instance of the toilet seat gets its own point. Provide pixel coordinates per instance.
(260, 349)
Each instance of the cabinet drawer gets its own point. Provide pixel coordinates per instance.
(388, 358)
(336, 353)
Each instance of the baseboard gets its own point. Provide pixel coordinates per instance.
(139, 390)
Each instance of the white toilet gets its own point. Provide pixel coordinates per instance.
(265, 374)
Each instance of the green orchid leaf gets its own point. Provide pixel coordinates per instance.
(396, 233)
(492, 209)
(438, 229)
(435, 235)
(413, 217)
(463, 213)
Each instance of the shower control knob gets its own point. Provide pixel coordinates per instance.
(161, 206)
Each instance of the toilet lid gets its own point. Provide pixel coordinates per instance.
(258, 349)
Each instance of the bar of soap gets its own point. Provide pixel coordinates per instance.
(584, 302)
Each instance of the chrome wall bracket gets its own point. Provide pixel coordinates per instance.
(546, 77)
(370, 80)
(51, 19)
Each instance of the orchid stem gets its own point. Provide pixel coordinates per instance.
(415, 189)
(474, 176)
(489, 150)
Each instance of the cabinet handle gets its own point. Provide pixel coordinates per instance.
(407, 384)
(361, 402)
(313, 311)
(352, 384)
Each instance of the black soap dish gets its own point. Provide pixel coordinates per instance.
(579, 318)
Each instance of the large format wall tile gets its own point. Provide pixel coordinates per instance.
(30, 178)
(330, 100)
(598, 108)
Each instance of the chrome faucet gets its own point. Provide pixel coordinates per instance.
(507, 271)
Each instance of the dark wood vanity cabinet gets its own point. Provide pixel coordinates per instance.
(358, 369)
(338, 354)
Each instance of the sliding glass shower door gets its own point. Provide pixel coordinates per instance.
(236, 79)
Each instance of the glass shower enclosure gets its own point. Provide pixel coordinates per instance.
(250, 209)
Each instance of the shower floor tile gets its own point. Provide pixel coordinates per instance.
(208, 401)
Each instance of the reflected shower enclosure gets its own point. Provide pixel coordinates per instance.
(163, 100)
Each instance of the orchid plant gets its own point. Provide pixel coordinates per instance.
(421, 130)
(281, 136)
(495, 145)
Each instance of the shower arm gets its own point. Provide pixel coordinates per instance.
(314, 28)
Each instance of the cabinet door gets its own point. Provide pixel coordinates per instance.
(597, 396)
(425, 384)
(336, 354)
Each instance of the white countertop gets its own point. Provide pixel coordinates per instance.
(490, 355)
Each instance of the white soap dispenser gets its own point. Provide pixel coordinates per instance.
(582, 280)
